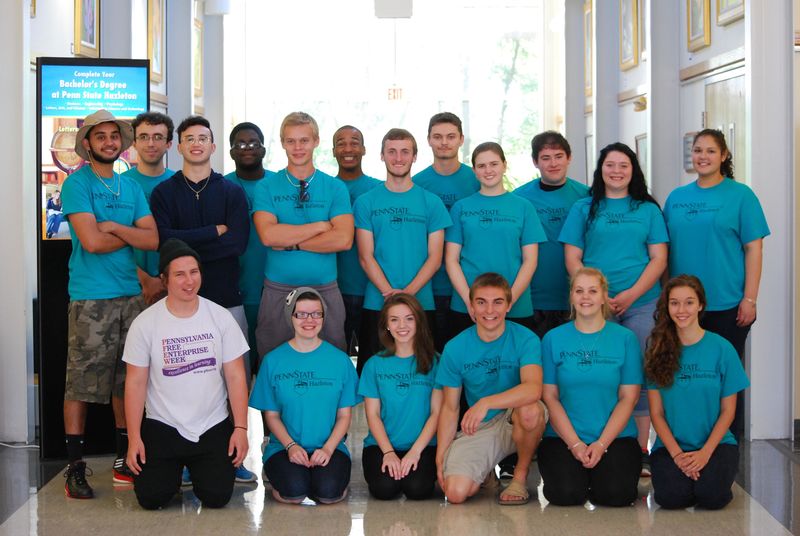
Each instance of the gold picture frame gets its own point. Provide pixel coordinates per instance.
(698, 24)
(628, 34)
(197, 57)
(729, 11)
(588, 36)
(156, 9)
(87, 28)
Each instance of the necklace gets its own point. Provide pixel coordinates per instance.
(588, 353)
(307, 181)
(197, 192)
(114, 180)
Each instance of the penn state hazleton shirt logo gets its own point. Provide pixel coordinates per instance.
(489, 365)
(191, 353)
(398, 216)
(691, 372)
(691, 210)
(552, 215)
(402, 382)
(302, 382)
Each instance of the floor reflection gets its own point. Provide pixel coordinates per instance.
(769, 473)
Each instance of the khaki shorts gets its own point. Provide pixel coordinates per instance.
(95, 340)
(476, 455)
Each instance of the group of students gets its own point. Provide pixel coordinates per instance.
(546, 318)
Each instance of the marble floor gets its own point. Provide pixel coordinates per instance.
(33, 503)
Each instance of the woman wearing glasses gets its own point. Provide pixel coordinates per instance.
(307, 387)
(402, 404)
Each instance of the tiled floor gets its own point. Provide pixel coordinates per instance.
(769, 506)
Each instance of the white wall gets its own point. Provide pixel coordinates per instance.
(18, 223)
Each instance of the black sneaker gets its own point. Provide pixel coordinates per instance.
(645, 465)
(121, 474)
(76, 486)
(506, 471)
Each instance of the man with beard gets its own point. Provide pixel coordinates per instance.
(152, 138)
(304, 218)
(108, 216)
(451, 180)
(400, 233)
(247, 152)
(348, 149)
(197, 205)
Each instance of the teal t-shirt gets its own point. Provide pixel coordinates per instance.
(352, 279)
(400, 224)
(147, 260)
(100, 276)
(588, 370)
(449, 188)
(616, 241)
(404, 394)
(327, 198)
(251, 263)
(487, 368)
(708, 228)
(710, 370)
(550, 283)
(307, 389)
(492, 232)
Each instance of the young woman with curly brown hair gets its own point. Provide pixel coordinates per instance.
(694, 376)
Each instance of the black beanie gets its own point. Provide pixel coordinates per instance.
(171, 250)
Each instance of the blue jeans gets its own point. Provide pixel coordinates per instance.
(640, 321)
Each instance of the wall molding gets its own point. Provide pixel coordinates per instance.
(722, 61)
(159, 98)
(631, 94)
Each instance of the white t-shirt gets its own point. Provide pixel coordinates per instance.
(186, 388)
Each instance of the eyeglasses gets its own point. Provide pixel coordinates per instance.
(302, 315)
(304, 196)
(244, 146)
(147, 137)
(200, 140)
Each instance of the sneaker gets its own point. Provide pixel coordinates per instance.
(76, 486)
(244, 476)
(186, 478)
(506, 471)
(645, 465)
(121, 474)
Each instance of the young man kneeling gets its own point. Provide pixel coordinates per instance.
(499, 366)
(184, 356)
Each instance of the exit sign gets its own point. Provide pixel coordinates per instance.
(395, 93)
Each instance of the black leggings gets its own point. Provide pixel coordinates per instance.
(673, 489)
(168, 452)
(417, 485)
(292, 481)
(612, 482)
(723, 323)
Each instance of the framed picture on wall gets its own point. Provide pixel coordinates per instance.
(87, 28)
(197, 57)
(729, 11)
(641, 151)
(587, 47)
(628, 34)
(688, 141)
(156, 10)
(698, 24)
(643, 29)
(588, 148)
